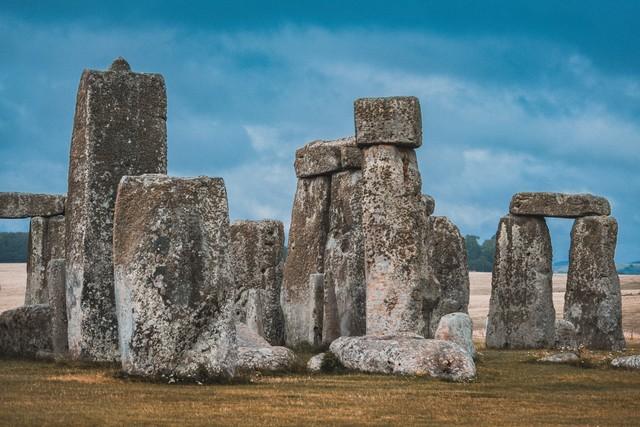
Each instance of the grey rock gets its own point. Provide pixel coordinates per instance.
(327, 157)
(119, 129)
(344, 292)
(394, 220)
(315, 363)
(173, 277)
(448, 273)
(521, 313)
(558, 205)
(46, 242)
(565, 335)
(457, 328)
(305, 256)
(25, 205)
(405, 355)
(395, 120)
(58, 304)
(560, 358)
(256, 354)
(429, 204)
(592, 301)
(258, 260)
(25, 331)
(627, 362)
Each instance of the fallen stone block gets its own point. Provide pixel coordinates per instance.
(28, 205)
(560, 358)
(405, 355)
(395, 120)
(558, 205)
(327, 157)
(173, 278)
(315, 363)
(627, 362)
(256, 354)
(25, 331)
(457, 328)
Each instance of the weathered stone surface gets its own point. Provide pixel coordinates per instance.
(394, 220)
(429, 204)
(405, 355)
(565, 335)
(592, 301)
(258, 259)
(326, 157)
(395, 120)
(25, 331)
(119, 129)
(457, 328)
(448, 273)
(560, 358)
(558, 205)
(627, 362)
(25, 205)
(344, 281)
(173, 277)
(521, 313)
(316, 306)
(256, 354)
(46, 242)
(305, 256)
(315, 363)
(58, 304)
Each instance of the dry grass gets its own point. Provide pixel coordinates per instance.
(510, 389)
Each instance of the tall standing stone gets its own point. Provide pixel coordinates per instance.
(46, 242)
(173, 277)
(448, 273)
(521, 313)
(258, 258)
(388, 129)
(58, 305)
(119, 129)
(592, 300)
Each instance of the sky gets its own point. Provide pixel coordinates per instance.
(516, 96)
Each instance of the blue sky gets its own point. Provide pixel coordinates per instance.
(516, 96)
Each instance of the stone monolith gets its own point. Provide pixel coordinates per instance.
(119, 129)
(46, 242)
(173, 277)
(592, 299)
(58, 305)
(521, 313)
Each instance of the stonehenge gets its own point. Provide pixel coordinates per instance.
(28, 205)
(46, 242)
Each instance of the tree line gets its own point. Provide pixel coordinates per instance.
(14, 247)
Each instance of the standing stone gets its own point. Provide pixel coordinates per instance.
(258, 258)
(393, 214)
(119, 129)
(305, 256)
(173, 277)
(46, 242)
(565, 335)
(26, 205)
(58, 305)
(448, 273)
(315, 307)
(558, 205)
(345, 293)
(592, 300)
(521, 313)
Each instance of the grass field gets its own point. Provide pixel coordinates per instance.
(510, 389)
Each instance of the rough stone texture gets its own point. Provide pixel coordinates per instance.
(429, 204)
(256, 354)
(173, 277)
(405, 355)
(25, 331)
(46, 242)
(395, 120)
(25, 205)
(58, 304)
(305, 256)
(627, 362)
(521, 313)
(119, 129)
(326, 157)
(394, 220)
(258, 259)
(316, 307)
(592, 300)
(558, 205)
(457, 328)
(448, 273)
(315, 363)
(565, 336)
(344, 279)
(560, 358)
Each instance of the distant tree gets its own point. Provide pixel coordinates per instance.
(480, 257)
(13, 247)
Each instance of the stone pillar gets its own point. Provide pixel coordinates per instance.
(46, 242)
(315, 307)
(448, 273)
(592, 300)
(119, 129)
(521, 313)
(173, 277)
(258, 258)
(58, 305)
(388, 130)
